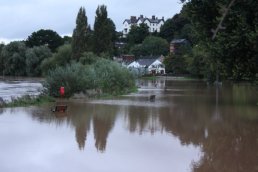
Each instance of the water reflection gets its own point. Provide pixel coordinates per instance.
(222, 123)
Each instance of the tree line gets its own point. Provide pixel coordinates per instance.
(80, 63)
(223, 36)
(46, 49)
(231, 55)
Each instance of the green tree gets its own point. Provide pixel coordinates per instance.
(1, 57)
(34, 57)
(176, 27)
(88, 58)
(104, 32)
(167, 30)
(14, 59)
(151, 45)
(229, 30)
(155, 45)
(61, 58)
(197, 61)
(178, 63)
(137, 34)
(45, 37)
(138, 50)
(80, 35)
(67, 39)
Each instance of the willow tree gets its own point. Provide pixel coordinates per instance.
(104, 32)
(80, 35)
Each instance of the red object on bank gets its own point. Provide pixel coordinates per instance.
(62, 91)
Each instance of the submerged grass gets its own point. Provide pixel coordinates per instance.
(28, 100)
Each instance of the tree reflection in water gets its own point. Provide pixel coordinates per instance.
(227, 144)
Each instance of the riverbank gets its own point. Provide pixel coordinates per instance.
(175, 78)
(32, 100)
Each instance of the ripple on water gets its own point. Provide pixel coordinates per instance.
(9, 89)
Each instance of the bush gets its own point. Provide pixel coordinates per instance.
(105, 75)
(88, 58)
(69, 77)
(112, 78)
(61, 58)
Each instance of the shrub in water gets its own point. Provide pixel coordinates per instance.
(70, 77)
(108, 76)
(112, 78)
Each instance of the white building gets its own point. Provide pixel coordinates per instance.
(148, 65)
(153, 23)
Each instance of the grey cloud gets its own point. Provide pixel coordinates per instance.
(19, 18)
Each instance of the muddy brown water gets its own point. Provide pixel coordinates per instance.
(190, 127)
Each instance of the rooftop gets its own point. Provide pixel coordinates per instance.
(147, 60)
(134, 19)
(178, 41)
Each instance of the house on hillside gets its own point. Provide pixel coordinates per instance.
(148, 65)
(153, 23)
(176, 44)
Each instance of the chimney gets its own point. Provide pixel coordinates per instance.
(162, 17)
(141, 16)
(133, 19)
(153, 17)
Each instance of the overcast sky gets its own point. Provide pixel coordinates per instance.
(19, 18)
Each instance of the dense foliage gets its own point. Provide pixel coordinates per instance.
(112, 78)
(34, 57)
(88, 58)
(43, 37)
(1, 59)
(152, 46)
(176, 27)
(13, 58)
(224, 38)
(80, 38)
(18, 60)
(60, 58)
(104, 76)
(104, 32)
(137, 34)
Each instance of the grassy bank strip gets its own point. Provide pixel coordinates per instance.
(28, 100)
(149, 77)
(115, 94)
(177, 78)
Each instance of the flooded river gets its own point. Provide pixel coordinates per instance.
(13, 87)
(190, 127)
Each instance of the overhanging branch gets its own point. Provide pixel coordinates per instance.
(219, 27)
